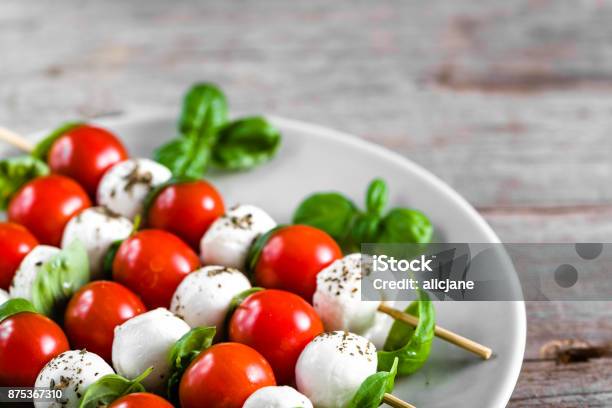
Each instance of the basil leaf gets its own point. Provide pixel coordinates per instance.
(41, 150)
(405, 225)
(59, 278)
(365, 230)
(330, 212)
(371, 392)
(111, 387)
(184, 351)
(256, 248)
(204, 106)
(204, 112)
(15, 172)
(409, 344)
(109, 258)
(376, 197)
(14, 306)
(245, 143)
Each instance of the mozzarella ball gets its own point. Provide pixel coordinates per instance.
(203, 297)
(333, 366)
(97, 228)
(338, 297)
(73, 372)
(144, 341)
(229, 238)
(21, 286)
(124, 186)
(4, 296)
(277, 397)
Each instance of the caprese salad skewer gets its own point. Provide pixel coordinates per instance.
(337, 300)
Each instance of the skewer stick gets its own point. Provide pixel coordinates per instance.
(464, 343)
(16, 140)
(396, 402)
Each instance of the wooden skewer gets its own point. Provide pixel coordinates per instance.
(16, 140)
(396, 402)
(464, 343)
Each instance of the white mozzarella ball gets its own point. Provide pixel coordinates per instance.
(97, 228)
(4, 296)
(277, 397)
(73, 372)
(144, 341)
(203, 297)
(124, 186)
(21, 286)
(229, 238)
(333, 366)
(338, 297)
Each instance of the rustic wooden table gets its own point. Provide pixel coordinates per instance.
(510, 102)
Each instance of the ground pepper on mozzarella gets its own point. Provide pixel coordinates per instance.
(338, 301)
(229, 238)
(124, 186)
(144, 341)
(277, 397)
(203, 297)
(73, 372)
(21, 286)
(97, 228)
(332, 367)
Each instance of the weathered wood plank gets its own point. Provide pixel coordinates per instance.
(509, 102)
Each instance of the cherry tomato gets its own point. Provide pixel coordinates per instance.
(277, 324)
(140, 400)
(15, 243)
(292, 258)
(152, 263)
(94, 312)
(224, 376)
(84, 153)
(27, 342)
(45, 204)
(186, 209)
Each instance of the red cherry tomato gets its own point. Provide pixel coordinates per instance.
(94, 312)
(224, 376)
(84, 153)
(27, 342)
(140, 400)
(292, 258)
(45, 204)
(187, 210)
(15, 243)
(152, 263)
(277, 324)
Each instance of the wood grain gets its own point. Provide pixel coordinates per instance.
(509, 102)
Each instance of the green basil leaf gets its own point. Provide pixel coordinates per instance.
(256, 248)
(409, 344)
(59, 278)
(111, 387)
(15, 172)
(330, 212)
(184, 351)
(14, 306)
(109, 258)
(41, 150)
(204, 112)
(405, 226)
(365, 230)
(376, 197)
(245, 143)
(204, 106)
(371, 392)
(237, 301)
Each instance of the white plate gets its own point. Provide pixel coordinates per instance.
(312, 159)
